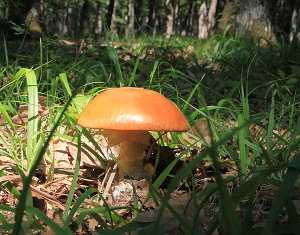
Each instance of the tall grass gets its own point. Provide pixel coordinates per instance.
(268, 100)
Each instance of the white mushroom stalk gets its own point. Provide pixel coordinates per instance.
(132, 148)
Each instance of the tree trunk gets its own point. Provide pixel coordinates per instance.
(202, 24)
(176, 16)
(193, 21)
(32, 19)
(206, 20)
(17, 11)
(151, 15)
(69, 20)
(24, 12)
(170, 10)
(109, 14)
(252, 19)
(98, 21)
(295, 25)
(158, 19)
(84, 19)
(281, 14)
(140, 21)
(113, 25)
(60, 17)
(186, 22)
(212, 15)
(65, 19)
(226, 21)
(130, 27)
(269, 19)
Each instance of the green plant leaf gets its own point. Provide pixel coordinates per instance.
(33, 118)
(64, 80)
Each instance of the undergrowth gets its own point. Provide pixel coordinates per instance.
(247, 95)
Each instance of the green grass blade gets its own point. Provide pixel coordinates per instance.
(242, 138)
(133, 73)
(292, 212)
(64, 80)
(6, 228)
(130, 227)
(33, 119)
(166, 172)
(250, 186)
(26, 184)
(4, 207)
(114, 58)
(192, 93)
(74, 181)
(5, 50)
(192, 164)
(271, 125)
(284, 194)
(74, 209)
(88, 135)
(6, 116)
(99, 210)
(166, 205)
(231, 222)
(243, 134)
(151, 77)
(54, 227)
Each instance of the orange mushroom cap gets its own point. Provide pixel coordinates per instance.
(131, 108)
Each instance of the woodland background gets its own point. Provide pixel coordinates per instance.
(269, 19)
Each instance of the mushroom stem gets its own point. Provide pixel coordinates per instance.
(132, 148)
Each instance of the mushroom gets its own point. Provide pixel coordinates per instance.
(125, 116)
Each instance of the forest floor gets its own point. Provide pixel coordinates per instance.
(235, 170)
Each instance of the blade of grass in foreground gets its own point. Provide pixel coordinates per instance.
(74, 180)
(6, 116)
(5, 50)
(164, 204)
(243, 134)
(76, 205)
(26, 181)
(54, 227)
(114, 58)
(231, 222)
(151, 77)
(191, 95)
(163, 176)
(33, 120)
(64, 80)
(284, 194)
(133, 73)
(242, 138)
(271, 126)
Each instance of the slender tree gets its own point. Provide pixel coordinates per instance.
(176, 15)
(151, 15)
(295, 24)
(206, 20)
(170, 15)
(186, 25)
(113, 24)
(84, 18)
(130, 17)
(98, 21)
(109, 14)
